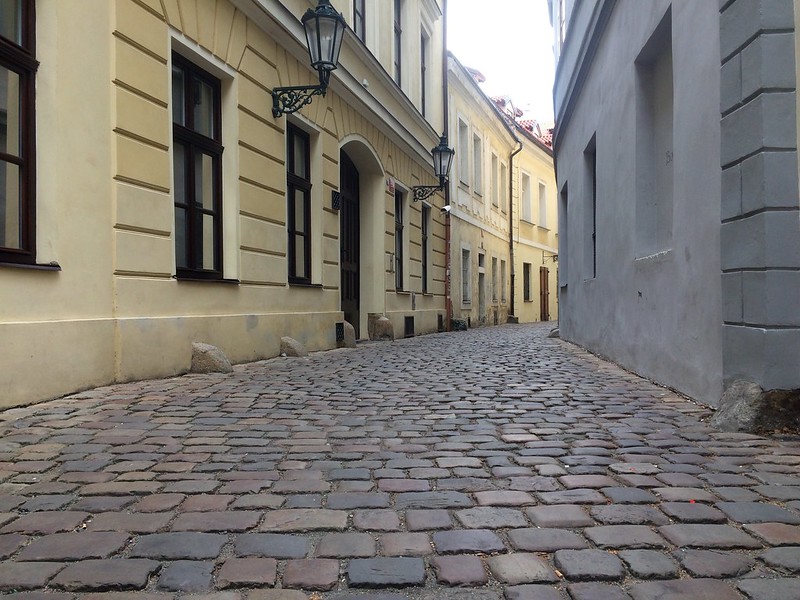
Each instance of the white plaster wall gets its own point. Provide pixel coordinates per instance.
(659, 316)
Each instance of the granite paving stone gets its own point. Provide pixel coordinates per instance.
(339, 545)
(311, 574)
(559, 515)
(545, 539)
(74, 546)
(460, 570)
(27, 575)
(520, 568)
(714, 563)
(770, 589)
(424, 520)
(688, 589)
(776, 534)
(485, 517)
(589, 565)
(595, 591)
(386, 572)
(707, 536)
(106, 575)
(533, 592)
(649, 564)
(237, 572)
(693, 512)
(405, 544)
(757, 512)
(785, 558)
(624, 536)
(626, 514)
(473, 540)
(175, 546)
(217, 521)
(304, 520)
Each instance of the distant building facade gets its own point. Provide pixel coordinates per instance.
(676, 149)
(503, 210)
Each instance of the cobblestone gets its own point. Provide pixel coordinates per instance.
(518, 466)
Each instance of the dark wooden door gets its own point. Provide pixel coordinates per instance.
(349, 241)
(544, 293)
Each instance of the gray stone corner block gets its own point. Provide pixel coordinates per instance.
(766, 121)
(730, 83)
(732, 297)
(768, 62)
(770, 298)
(731, 192)
(291, 347)
(768, 239)
(209, 359)
(743, 19)
(769, 180)
(747, 408)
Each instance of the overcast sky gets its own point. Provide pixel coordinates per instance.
(511, 43)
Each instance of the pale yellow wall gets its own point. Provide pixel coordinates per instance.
(478, 224)
(105, 204)
(59, 322)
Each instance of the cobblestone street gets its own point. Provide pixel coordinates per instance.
(491, 464)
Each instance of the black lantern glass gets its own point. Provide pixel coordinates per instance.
(324, 29)
(442, 159)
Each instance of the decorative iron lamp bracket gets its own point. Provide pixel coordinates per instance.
(287, 100)
(423, 192)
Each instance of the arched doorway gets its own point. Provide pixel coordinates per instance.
(349, 238)
(362, 238)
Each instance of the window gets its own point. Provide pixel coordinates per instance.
(542, 205)
(426, 226)
(298, 210)
(359, 24)
(526, 282)
(197, 164)
(494, 279)
(495, 182)
(463, 152)
(526, 199)
(466, 277)
(590, 214)
(423, 63)
(17, 137)
(503, 189)
(398, 238)
(502, 281)
(398, 42)
(654, 142)
(477, 157)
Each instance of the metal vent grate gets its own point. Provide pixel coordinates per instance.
(339, 332)
(440, 322)
(336, 200)
(409, 327)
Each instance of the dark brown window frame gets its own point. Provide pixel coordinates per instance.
(359, 19)
(423, 61)
(21, 59)
(194, 141)
(399, 206)
(295, 183)
(527, 296)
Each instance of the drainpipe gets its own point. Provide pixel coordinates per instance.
(445, 128)
(511, 316)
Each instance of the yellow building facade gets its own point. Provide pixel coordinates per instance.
(502, 183)
(163, 203)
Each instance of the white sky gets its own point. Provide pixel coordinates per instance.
(511, 43)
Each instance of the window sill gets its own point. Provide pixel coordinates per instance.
(528, 301)
(300, 284)
(402, 292)
(204, 280)
(545, 227)
(656, 257)
(53, 266)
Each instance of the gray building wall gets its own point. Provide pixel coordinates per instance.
(653, 306)
(760, 214)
